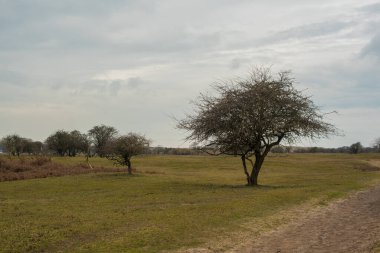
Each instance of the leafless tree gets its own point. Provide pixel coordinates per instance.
(123, 148)
(250, 116)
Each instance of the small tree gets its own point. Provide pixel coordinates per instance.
(123, 148)
(250, 116)
(100, 136)
(356, 148)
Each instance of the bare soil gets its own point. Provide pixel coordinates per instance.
(349, 225)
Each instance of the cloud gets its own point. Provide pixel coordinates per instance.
(237, 63)
(134, 82)
(373, 8)
(307, 31)
(8, 77)
(99, 88)
(95, 55)
(372, 49)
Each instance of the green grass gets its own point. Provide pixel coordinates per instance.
(376, 248)
(171, 202)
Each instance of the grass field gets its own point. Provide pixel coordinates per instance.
(172, 202)
(377, 248)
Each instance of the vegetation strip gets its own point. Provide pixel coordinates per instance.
(188, 202)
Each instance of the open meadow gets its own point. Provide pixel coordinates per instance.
(171, 202)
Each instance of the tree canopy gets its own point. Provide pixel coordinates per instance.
(123, 148)
(100, 136)
(16, 145)
(356, 148)
(249, 116)
(67, 143)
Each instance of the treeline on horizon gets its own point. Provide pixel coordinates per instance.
(73, 143)
(355, 148)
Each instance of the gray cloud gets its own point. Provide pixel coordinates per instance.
(237, 63)
(306, 31)
(104, 87)
(114, 87)
(134, 82)
(8, 77)
(372, 49)
(371, 8)
(98, 88)
(86, 58)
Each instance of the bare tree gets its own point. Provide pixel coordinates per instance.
(123, 148)
(250, 116)
(100, 136)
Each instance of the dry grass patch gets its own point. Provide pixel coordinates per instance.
(41, 166)
(371, 165)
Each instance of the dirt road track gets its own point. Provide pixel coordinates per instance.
(350, 225)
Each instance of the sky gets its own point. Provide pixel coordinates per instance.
(137, 64)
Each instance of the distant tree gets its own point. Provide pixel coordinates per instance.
(356, 148)
(344, 149)
(68, 143)
(248, 117)
(37, 147)
(100, 135)
(278, 149)
(78, 143)
(13, 144)
(123, 148)
(27, 146)
(376, 144)
(59, 142)
(8, 144)
(16, 145)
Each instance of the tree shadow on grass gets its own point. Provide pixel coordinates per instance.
(289, 186)
(117, 175)
(244, 186)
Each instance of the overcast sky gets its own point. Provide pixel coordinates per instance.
(135, 64)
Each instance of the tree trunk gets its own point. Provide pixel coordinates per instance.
(256, 168)
(128, 162)
(245, 170)
(252, 179)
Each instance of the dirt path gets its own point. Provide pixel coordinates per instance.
(350, 225)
